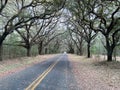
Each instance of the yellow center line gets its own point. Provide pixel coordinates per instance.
(43, 77)
(35, 83)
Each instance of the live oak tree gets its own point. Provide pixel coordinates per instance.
(86, 34)
(51, 33)
(70, 45)
(77, 39)
(106, 19)
(36, 31)
(11, 10)
(101, 16)
(81, 28)
(26, 37)
(69, 42)
(31, 33)
(88, 17)
(3, 4)
(44, 37)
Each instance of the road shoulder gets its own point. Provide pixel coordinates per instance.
(95, 75)
(8, 67)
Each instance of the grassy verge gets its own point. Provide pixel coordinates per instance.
(11, 66)
(94, 74)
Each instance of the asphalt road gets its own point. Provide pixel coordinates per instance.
(52, 74)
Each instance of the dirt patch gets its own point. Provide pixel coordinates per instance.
(93, 74)
(11, 66)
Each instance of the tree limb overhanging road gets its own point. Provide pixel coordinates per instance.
(52, 74)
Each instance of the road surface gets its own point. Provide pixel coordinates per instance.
(52, 74)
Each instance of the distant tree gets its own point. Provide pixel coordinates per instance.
(31, 33)
(78, 40)
(100, 16)
(9, 14)
(81, 28)
(50, 37)
(47, 34)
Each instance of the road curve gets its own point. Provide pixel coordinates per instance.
(52, 74)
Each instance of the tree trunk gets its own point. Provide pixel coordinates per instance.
(80, 50)
(109, 53)
(2, 38)
(40, 51)
(46, 50)
(28, 51)
(109, 57)
(71, 50)
(115, 52)
(40, 46)
(1, 54)
(88, 50)
(109, 49)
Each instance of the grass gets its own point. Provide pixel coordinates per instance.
(14, 65)
(96, 73)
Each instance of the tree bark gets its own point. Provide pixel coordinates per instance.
(1, 54)
(80, 50)
(71, 50)
(88, 50)
(28, 50)
(109, 53)
(46, 50)
(109, 49)
(2, 38)
(109, 56)
(40, 46)
(40, 50)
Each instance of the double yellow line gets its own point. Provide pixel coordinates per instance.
(35, 83)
